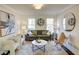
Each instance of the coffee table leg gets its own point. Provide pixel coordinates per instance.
(32, 47)
(44, 48)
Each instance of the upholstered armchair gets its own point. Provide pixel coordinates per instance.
(60, 41)
(62, 38)
(11, 44)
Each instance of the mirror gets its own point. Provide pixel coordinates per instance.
(69, 21)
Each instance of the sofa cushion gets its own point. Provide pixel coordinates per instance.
(7, 44)
(39, 32)
(44, 32)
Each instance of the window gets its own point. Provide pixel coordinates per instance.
(50, 24)
(31, 24)
(64, 23)
(58, 25)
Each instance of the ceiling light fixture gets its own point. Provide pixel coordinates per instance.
(37, 6)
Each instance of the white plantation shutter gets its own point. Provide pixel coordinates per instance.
(31, 24)
(50, 24)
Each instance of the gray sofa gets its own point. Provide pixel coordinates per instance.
(43, 34)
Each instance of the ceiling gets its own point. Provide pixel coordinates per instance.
(47, 9)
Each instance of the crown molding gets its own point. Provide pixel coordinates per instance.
(13, 10)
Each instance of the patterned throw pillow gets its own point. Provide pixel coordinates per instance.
(34, 32)
(44, 32)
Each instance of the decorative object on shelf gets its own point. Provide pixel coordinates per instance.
(40, 21)
(7, 23)
(70, 21)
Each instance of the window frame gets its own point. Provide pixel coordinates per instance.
(50, 24)
(31, 24)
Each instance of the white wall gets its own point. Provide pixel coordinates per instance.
(75, 32)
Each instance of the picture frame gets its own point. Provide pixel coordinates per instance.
(7, 23)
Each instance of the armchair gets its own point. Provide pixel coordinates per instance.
(11, 44)
(60, 41)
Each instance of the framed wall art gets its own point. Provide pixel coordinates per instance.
(7, 23)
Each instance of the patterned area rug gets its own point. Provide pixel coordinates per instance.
(51, 49)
